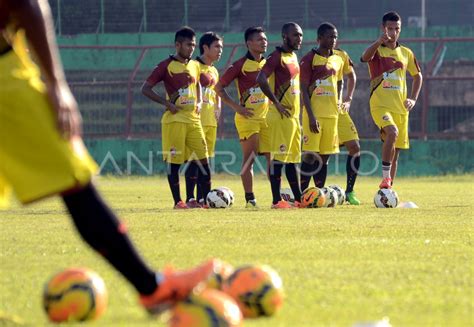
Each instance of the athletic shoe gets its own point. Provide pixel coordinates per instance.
(386, 183)
(176, 286)
(180, 205)
(282, 204)
(193, 204)
(297, 204)
(251, 204)
(352, 198)
(203, 204)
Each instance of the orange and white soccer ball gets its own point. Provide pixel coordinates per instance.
(313, 197)
(218, 277)
(258, 290)
(75, 294)
(206, 307)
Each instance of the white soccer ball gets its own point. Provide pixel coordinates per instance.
(341, 195)
(331, 197)
(386, 198)
(218, 198)
(229, 192)
(287, 194)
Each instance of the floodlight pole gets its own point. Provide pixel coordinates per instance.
(423, 28)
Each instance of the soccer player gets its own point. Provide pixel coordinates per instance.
(210, 48)
(388, 63)
(322, 71)
(252, 108)
(42, 153)
(346, 129)
(181, 122)
(283, 89)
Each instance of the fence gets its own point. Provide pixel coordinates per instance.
(141, 16)
(113, 106)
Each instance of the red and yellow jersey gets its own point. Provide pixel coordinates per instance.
(181, 82)
(283, 72)
(321, 75)
(346, 69)
(244, 71)
(387, 69)
(208, 80)
(348, 64)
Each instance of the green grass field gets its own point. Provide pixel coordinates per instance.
(339, 266)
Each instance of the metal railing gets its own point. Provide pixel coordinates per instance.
(116, 108)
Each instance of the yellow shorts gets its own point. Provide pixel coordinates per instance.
(183, 141)
(346, 129)
(285, 136)
(384, 118)
(324, 142)
(35, 161)
(247, 127)
(210, 135)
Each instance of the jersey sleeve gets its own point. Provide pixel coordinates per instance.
(348, 64)
(272, 63)
(231, 73)
(413, 67)
(158, 74)
(306, 68)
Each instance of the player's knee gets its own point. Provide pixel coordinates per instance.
(391, 134)
(309, 157)
(354, 149)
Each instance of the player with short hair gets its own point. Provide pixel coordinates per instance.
(181, 122)
(283, 89)
(42, 152)
(323, 69)
(389, 63)
(252, 108)
(210, 48)
(346, 129)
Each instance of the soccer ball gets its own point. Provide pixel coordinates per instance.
(206, 307)
(218, 198)
(341, 195)
(229, 192)
(386, 198)
(75, 294)
(287, 194)
(331, 197)
(312, 197)
(216, 280)
(258, 290)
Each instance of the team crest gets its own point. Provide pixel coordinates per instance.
(173, 152)
(282, 148)
(386, 118)
(305, 139)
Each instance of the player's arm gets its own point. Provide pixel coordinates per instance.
(218, 108)
(313, 122)
(198, 97)
(147, 90)
(265, 87)
(222, 92)
(415, 91)
(36, 19)
(306, 70)
(229, 75)
(369, 53)
(351, 83)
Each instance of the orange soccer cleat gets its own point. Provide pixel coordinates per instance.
(282, 204)
(386, 183)
(176, 286)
